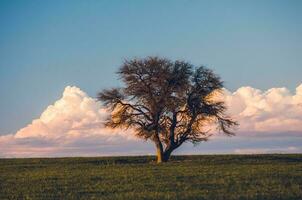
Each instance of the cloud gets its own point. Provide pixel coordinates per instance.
(75, 114)
(290, 149)
(273, 111)
(73, 125)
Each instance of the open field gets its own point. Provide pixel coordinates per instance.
(186, 177)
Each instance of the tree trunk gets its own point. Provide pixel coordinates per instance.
(167, 154)
(163, 156)
(159, 149)
(159, 154)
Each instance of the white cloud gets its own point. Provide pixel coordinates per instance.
(73, 125)
(273, 111)
(73, 115)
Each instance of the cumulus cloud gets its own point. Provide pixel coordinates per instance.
(73, 125)
(275, 111)
(73, 115)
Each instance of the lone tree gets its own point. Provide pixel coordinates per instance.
(166, 102)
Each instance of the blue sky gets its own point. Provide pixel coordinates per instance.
(48, 45)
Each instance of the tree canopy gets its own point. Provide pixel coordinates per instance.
(167, 102)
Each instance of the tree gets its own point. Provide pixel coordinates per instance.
(166, 102)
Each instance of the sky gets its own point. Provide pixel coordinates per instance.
(67, 51)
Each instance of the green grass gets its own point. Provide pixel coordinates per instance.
(185, 177)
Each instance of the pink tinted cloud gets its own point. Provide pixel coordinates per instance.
(73, 125)
(290, 149)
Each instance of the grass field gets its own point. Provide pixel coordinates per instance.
(185, 177)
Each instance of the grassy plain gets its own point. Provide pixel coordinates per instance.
(185, 177)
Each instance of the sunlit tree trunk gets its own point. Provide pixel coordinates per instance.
(159, 154)
(163, 155)
(159, 149)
